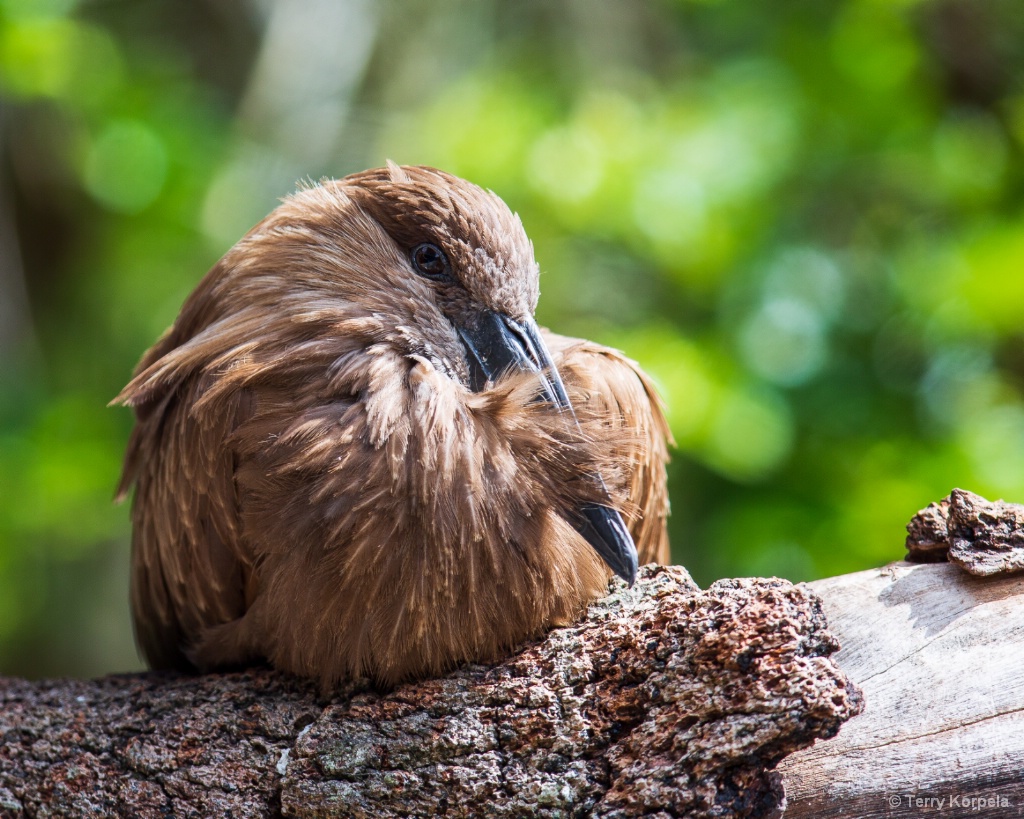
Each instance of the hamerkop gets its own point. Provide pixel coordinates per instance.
(356, 454)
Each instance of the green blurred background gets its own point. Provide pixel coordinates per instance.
(803, 217)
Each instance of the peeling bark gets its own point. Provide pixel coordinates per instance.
(928, 534)
(982, 537)
(985, 538)
(666, 700)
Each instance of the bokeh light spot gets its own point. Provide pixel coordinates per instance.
(680, 374)
(670, 208)
(566, 164)
(36, 9)
(59, 58)
(970, 154)
(36, 56)
(810, 276)
(784, 342)
(959, 383)
(994, 441)
(874, 46)
(751, 434)
(126, 166)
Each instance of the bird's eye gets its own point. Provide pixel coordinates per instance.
(429, 260)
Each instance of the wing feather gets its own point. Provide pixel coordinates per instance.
(188, 568)
(630, 400)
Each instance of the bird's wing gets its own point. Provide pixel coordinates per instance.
(189, 570)
(622, 390)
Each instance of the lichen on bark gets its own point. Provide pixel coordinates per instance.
(665, 699)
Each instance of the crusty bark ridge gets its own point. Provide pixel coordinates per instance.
(664, 699)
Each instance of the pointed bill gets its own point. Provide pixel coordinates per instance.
(500, 344)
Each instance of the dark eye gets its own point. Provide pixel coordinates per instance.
(429, 260)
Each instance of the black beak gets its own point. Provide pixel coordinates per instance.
(499, 344)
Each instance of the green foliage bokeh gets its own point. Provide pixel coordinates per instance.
(803, 218)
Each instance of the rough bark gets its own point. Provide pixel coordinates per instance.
(666, 700)
(928, 534)
(982, 537)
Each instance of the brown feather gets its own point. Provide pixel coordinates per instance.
(617, 390)
(317, 486)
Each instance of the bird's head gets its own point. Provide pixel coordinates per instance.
(472, 254)
(454, 234)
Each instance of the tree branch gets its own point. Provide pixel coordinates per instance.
(664, 699)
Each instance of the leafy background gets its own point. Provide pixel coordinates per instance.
(803, 217)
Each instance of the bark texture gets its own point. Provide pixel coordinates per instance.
(928, 534)
(982, 537)
(666, 700)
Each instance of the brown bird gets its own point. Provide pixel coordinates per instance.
(356, 454)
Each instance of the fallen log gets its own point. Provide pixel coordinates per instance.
(937, 653)
(666, 700)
